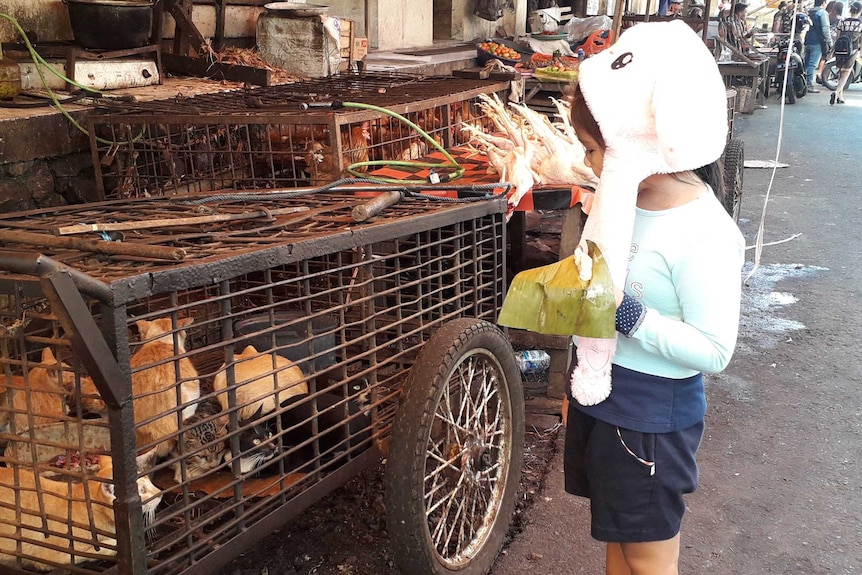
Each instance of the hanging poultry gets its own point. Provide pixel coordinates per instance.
(527, 149)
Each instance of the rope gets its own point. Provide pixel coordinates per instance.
(758, 246)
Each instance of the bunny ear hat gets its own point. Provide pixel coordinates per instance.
(661, 105)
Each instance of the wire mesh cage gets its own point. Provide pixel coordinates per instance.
(281, 136)
(159, 415)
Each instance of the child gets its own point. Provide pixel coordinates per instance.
(677, 282)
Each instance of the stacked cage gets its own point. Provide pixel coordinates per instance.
(163, 410)
(303, 134)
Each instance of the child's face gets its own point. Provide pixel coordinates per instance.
(594, 155)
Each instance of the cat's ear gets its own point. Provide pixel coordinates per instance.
(184, 322)
(145, 461)
(249, 350)
(143, 327)
(108, 490)
(222, 422)
(257, 414)
(48, 356)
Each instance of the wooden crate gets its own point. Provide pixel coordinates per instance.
(348, 32)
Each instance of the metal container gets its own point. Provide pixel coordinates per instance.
(10, 78)
(382, 293)
(111, 24)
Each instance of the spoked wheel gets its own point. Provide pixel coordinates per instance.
(733, 166)
(456, 452)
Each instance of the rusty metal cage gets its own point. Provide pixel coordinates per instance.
(289, 334)
(281, 136)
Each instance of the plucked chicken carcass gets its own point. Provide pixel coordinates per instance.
(527, 149)
(321, 163)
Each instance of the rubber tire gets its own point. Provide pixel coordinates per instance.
(733, 165)
(800, 86)
(405, 489)
(791, 94)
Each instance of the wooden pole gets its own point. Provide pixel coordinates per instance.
(173, 222)
(95, 246)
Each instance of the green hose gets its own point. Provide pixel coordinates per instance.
(451, 164)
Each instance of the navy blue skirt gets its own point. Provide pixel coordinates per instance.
(635, 481)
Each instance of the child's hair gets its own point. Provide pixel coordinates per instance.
(583, 120)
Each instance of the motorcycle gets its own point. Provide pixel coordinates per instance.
(831, 74)
(797, 85)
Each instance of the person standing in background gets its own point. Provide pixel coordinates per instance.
(851, 27)
(778, 18)
(818, 42)
(835, 9)
(738, 29)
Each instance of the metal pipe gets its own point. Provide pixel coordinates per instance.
(40, 265)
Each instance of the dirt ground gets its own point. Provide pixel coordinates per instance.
(346, 534)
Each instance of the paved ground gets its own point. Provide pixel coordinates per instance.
(780, 487)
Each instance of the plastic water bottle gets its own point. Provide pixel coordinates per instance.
(532, 360)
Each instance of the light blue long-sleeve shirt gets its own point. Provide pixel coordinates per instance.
(685, 268)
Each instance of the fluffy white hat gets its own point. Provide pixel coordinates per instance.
(661, 105)
(659, 88)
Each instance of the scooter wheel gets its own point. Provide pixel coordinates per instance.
(800, 86)
(791, 94)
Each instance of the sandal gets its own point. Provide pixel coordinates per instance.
(832, 99)
(839, 100)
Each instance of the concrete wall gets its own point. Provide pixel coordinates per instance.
(454, 19)
(350, 9)
(47, 18)
(398, 24)
(50, 20)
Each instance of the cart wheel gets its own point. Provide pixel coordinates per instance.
(455, 453)
(733, 165)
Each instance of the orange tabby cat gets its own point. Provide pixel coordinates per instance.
(44, 390)
(256, 388)
(48, 394)
(57, 499)
(154, 388)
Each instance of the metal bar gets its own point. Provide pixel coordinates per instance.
(94, 354)
(39, 265)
